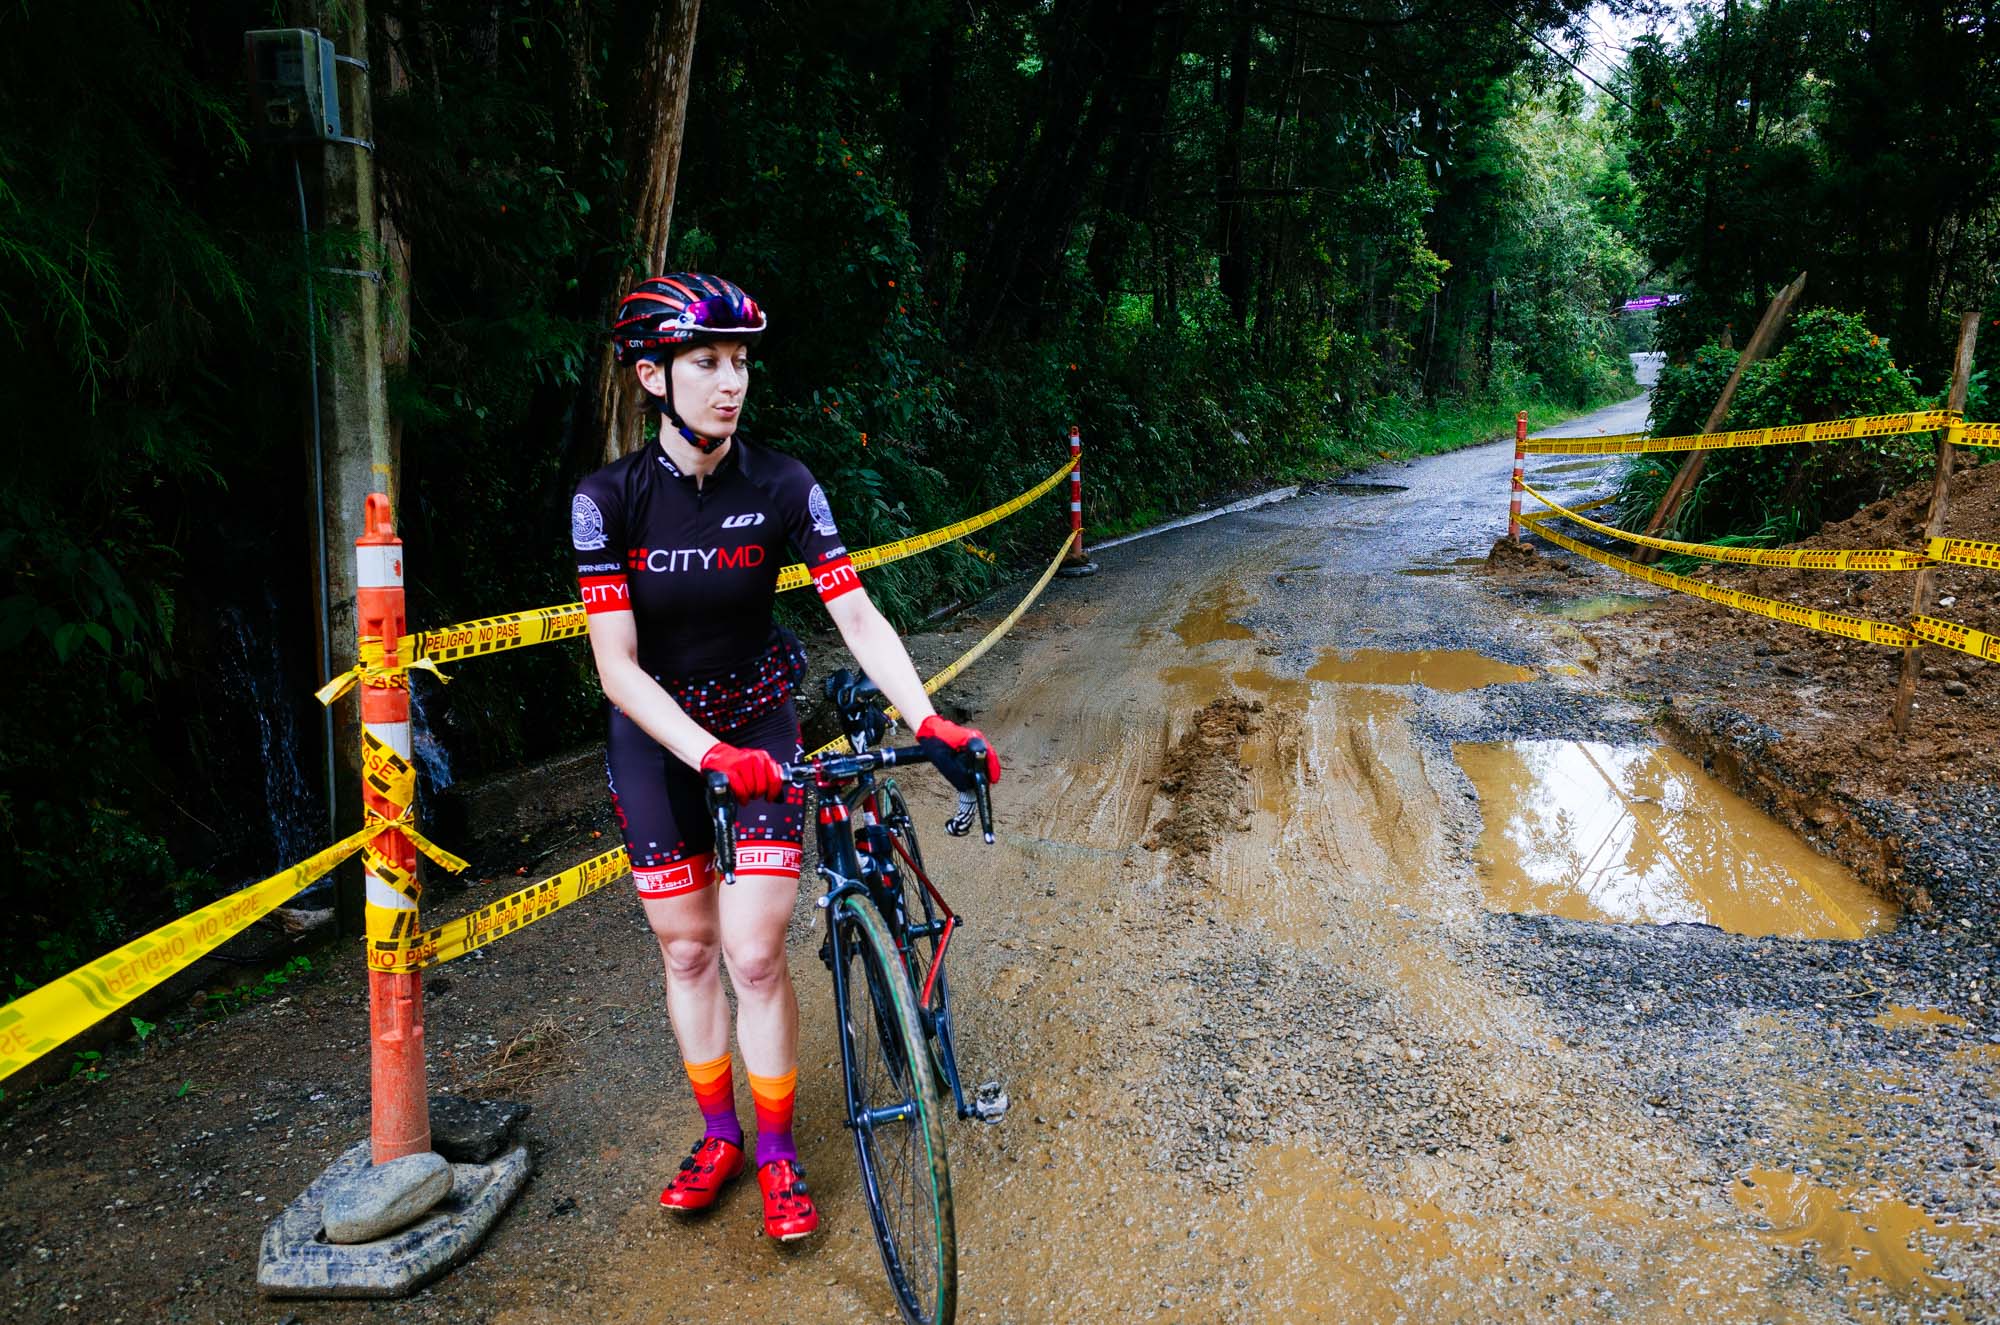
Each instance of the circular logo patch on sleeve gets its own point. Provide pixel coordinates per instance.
(586, 525)
(821, 513)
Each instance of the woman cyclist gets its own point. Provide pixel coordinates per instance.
(678, 548)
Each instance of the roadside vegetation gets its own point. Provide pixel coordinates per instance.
(1234, 244)
(1849, 140)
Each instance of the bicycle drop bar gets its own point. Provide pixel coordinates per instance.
(838, 768)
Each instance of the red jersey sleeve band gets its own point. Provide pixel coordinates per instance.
(835, 578)
(605, 593)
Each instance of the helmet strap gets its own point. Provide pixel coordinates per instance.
(705, 445)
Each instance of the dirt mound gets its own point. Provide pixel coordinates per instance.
(1511, 558)
(1205, 779)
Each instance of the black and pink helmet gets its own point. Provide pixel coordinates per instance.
(682, 308)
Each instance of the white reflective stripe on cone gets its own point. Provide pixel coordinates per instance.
(383, 896)
(395, 735)
(379, 566)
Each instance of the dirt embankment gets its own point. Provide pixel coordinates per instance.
(1800, 720)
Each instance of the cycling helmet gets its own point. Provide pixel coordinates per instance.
(682, 308)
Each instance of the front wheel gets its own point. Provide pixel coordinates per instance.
(898, 1133)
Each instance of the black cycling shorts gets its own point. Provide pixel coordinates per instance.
(662, 806)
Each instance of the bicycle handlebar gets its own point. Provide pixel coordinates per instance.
(841, 768)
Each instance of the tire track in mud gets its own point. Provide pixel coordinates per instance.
(1269, 1079)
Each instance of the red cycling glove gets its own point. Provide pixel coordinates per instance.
(753, 775)
(956, 737)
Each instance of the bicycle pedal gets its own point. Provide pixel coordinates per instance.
(989, 1104)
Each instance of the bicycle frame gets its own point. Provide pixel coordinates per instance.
(845, 822)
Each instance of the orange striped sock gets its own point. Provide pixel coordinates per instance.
(715, 1093)
(774, 1096)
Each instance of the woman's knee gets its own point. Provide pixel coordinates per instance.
(758, 967)
(688, 957)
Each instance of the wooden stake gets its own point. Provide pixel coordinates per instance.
(1690, 471)
(1920, 597)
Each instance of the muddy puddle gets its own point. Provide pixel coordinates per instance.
(1452, 567)
(1863, 1238)
(1641, 835)
(1209, 617)
(1901, 1017)
(1597, 607)
(1438, 669)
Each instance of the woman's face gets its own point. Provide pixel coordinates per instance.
(708, 382)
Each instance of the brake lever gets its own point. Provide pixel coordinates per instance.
(975, 750)
(722, 809)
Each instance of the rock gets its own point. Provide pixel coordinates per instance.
(383, 1198)
(1955, 687)
(473, 1131)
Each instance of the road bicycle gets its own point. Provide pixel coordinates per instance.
(887, 930)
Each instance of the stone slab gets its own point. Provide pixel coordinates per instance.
(467, 1131)
(295, 1259)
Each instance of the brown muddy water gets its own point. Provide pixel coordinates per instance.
(1869, 1239)
(1598, 607)
(1643, 835)
(1438, 669)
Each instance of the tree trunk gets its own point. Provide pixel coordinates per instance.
(1032, 209)
(654, 92)
(1145, 101)
(1232, 242)
(928, 131)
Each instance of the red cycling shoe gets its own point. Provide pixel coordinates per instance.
(788, 1207)
(711, 1163)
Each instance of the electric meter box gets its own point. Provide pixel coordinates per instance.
(293, 96)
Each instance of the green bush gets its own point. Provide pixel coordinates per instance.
(1832, 367)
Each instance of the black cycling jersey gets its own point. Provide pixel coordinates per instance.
(697, 566)
(698, 569)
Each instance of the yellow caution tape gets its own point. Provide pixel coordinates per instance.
(1833, 430)
(980, 552)
(376, 670)
(1951, 635)
(394, 778)
(455, 938)
(540, 625)
(1870, 559)
(396, 949)
(979, 650)
(1979, 434)
(37, 1022)
(515, 630)
(1966, 552)
(1832, 623)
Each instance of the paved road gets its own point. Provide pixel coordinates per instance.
(1626, 416)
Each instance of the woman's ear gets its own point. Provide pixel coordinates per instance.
(652, 377)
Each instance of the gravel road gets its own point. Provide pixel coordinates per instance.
(1291, 1067)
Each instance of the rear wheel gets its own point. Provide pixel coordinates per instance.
(898, 1130)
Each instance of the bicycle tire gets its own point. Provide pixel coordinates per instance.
(905, 1173)
(936, 1021)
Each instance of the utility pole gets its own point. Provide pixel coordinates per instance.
(357, 456)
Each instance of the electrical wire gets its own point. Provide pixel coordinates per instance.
(319, 490)
(1536, 37)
